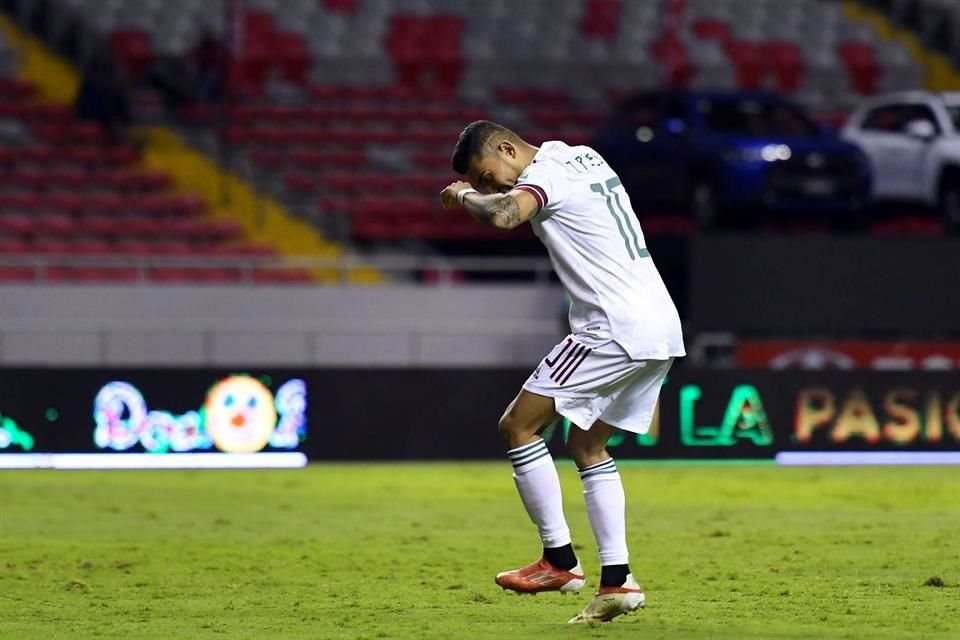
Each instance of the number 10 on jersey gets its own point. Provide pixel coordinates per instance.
(607, 190)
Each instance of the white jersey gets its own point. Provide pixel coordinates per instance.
(597, 249)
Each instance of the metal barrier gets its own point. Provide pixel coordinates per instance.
(397, 267)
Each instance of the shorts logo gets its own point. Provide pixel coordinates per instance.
(569, 360)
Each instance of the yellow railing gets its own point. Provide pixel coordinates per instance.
(938, 73)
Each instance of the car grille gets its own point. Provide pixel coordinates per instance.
(815, 175)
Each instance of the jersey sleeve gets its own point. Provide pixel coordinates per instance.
(545, 183)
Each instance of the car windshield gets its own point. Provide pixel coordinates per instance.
(756, 118)
(955, 115)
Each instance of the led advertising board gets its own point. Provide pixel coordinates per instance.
(193, 417)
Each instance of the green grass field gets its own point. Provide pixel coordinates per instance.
(409, 551)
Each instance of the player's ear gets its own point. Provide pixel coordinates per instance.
(506, 147)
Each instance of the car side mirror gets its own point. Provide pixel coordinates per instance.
(922, 129)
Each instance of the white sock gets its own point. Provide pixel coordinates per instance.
(539, 487)
(606, 508)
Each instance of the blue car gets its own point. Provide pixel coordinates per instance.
(727, 157)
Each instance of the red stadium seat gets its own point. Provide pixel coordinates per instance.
(117, 274)
(254, 249)
(323, 159)
(676, 70)
(20, 202)
(300, 181)
(192, 275)
(713, 29)
(133, 48)
(601, 19)
(51, 246)
(37, 154)
(52, 112)
(91, 247)
(53, 224)
(14, 111)
(862, 65)
(132, 247)
(529, 97)
(270, 159)
(281, 276)
(223, 230)
(750, 63)
(786, 62)
(70, 179)
(17, 89)
(104, 204)
(121, 155)
(188, 205)
(17, 274)
(10, 245)
(439, 65)
(348, 7)
(87, 133)
(32, 179)
(16, 225)
(432, 160)
(171, 247)
(294, 57)
(67, 192)
(337, 206)
(138, 227)
(197, 113)
(99, 226)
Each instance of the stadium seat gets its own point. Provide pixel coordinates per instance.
(749, 60)
(17, 274)
(281, 276)
(601, 19)
(335, 87)
(341, 6)
(132, 47)
(862, 66)
(785, 60)
(16, 89)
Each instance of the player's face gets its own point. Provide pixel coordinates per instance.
(495, 172)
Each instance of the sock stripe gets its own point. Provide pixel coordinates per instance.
(595, 466)
(519, 450)
(526, 452)
(596, 470)
(543, 454)
(600, 467)
(527, 455)
(599, 473)
(533, 456)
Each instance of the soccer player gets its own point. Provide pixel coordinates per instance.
(605, 375)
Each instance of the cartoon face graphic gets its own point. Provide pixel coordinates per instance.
(240, 416)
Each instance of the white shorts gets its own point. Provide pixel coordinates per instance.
(600, 382)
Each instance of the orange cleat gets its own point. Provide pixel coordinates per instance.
(542, 576)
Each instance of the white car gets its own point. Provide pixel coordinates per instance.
(913, 142)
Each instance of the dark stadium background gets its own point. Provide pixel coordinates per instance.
(190, 189)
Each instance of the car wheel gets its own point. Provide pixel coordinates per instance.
(950, 202)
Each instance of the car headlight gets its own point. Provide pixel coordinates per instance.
(766, 153)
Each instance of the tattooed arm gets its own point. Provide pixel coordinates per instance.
(500, 210)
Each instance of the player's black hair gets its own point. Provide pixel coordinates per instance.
(474, 140)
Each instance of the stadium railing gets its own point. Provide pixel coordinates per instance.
(34, 269)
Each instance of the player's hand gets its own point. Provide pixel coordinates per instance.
(448, 197)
